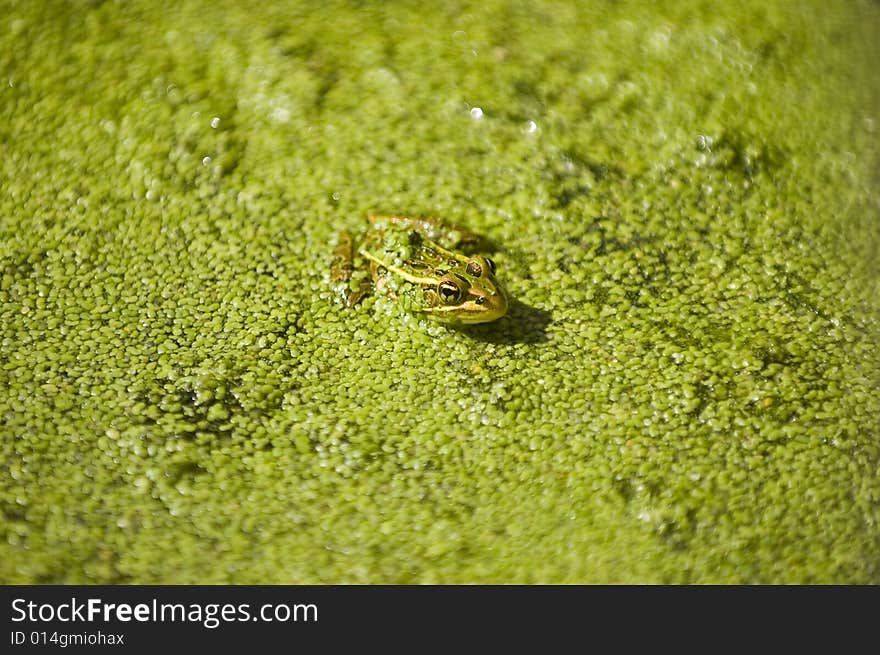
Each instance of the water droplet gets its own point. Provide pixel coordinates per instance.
(531, 127)
(206, 161)
(280, 114)
(476, 113)
(215, 122)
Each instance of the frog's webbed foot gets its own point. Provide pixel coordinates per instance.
(342, 272)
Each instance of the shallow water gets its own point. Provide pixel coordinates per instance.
(681, 201)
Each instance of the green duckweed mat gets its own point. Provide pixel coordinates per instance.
(682, 201)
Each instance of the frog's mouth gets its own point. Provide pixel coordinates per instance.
(479, 307)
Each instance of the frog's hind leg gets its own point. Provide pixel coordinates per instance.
(342, 271)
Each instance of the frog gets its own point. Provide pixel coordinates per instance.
(422, 264)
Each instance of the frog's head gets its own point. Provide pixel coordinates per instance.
(467, 293)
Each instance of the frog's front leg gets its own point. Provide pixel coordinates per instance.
(342, 272)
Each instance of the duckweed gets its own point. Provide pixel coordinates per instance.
(681, 200)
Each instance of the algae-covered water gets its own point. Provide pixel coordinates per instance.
(682, 202)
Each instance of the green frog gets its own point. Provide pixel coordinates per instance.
(403, 258)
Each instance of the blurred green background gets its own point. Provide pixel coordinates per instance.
(682, 199)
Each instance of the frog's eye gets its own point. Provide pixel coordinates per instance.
(474, 268)
(491, 265)
(449, 292)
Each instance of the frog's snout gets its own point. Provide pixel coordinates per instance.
(490, 306)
